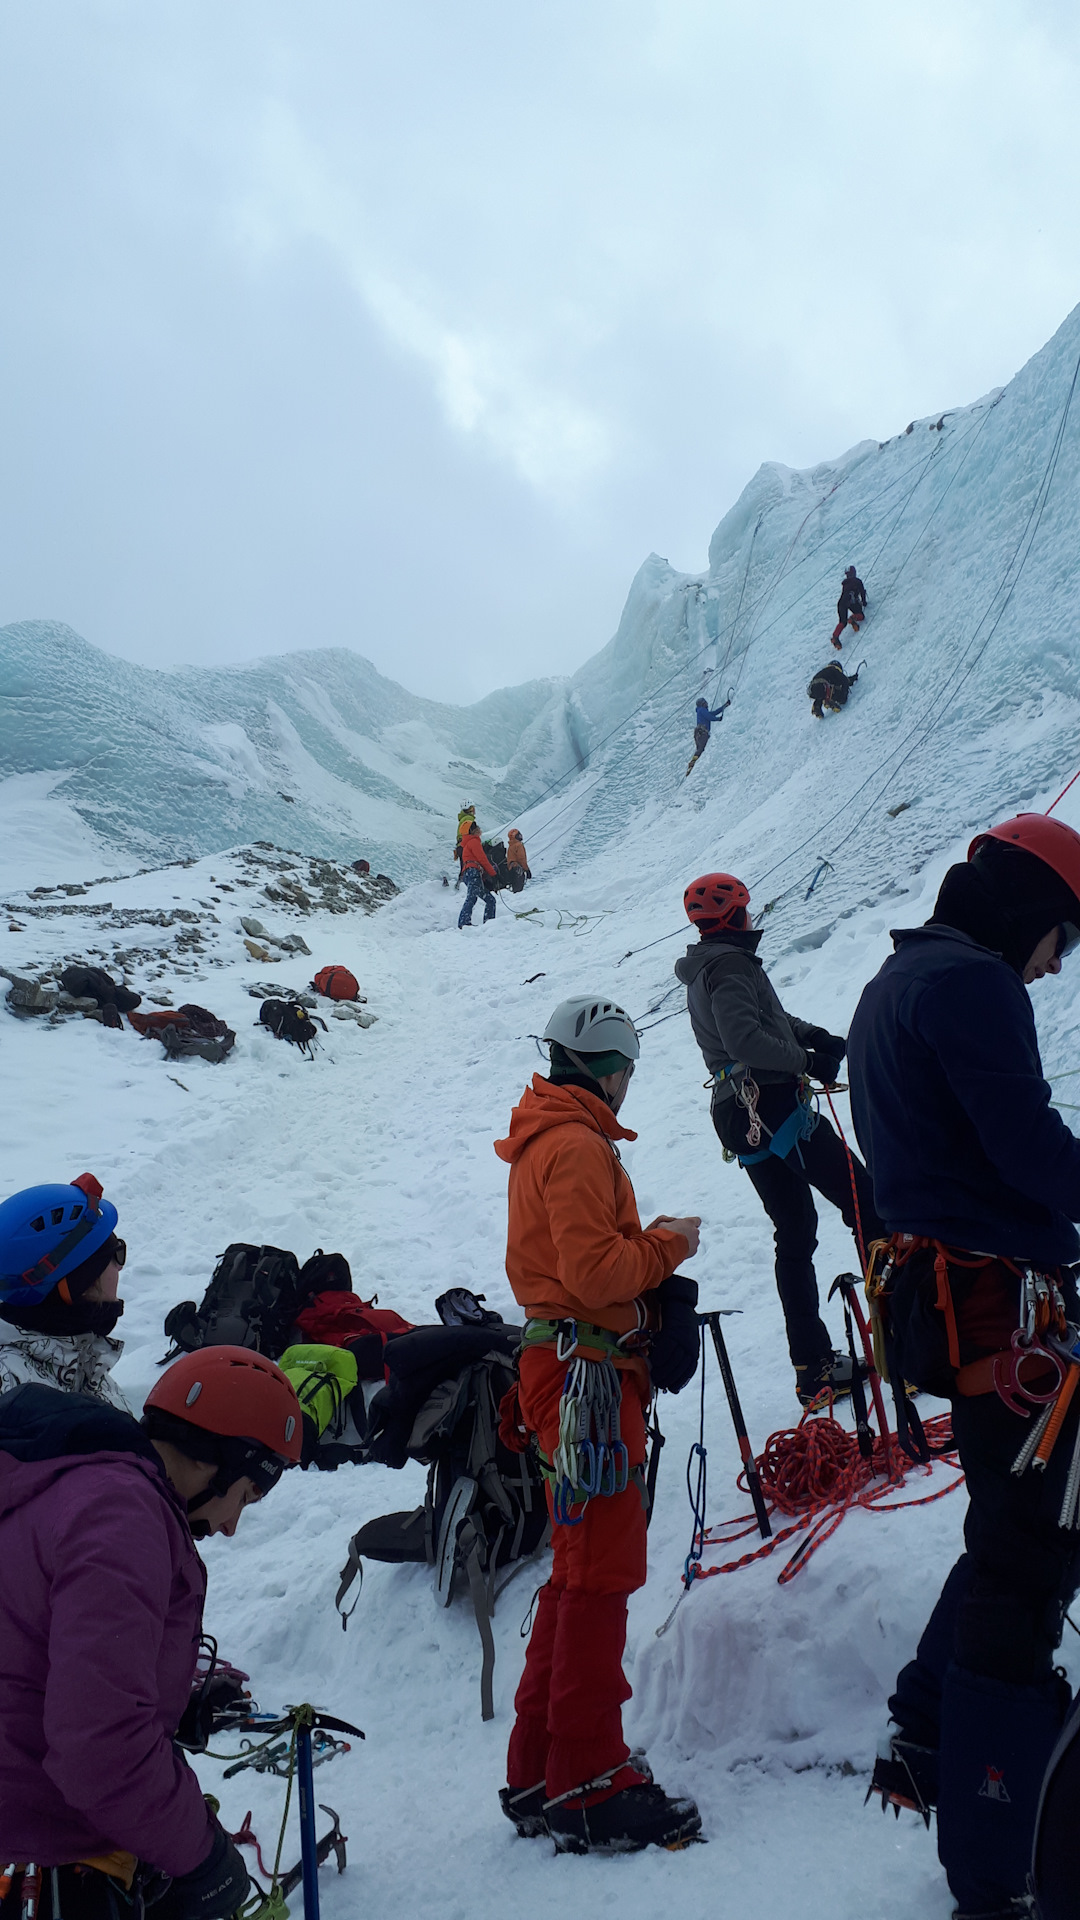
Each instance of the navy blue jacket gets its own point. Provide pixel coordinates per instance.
(950, 1107)
(704, 716)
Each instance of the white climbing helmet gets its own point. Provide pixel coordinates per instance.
(589, 1023)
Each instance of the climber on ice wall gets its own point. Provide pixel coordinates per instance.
(851, 606)
(830, 688)
(704, 715)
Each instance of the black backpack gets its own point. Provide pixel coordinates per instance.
(484, 1510)
(254, 1296)
(288, 1020)
(496, 853)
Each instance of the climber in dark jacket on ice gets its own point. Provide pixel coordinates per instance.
(758, 1055)
(978, 1181)
(830, 688)
(851, 605)
(704, 716)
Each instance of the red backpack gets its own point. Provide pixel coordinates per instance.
(335, 1319)
(337, 983)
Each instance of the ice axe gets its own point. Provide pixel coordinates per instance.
(712, 1320)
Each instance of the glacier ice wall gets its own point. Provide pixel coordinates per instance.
(963, 527)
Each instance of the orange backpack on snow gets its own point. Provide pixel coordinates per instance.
(337, 983)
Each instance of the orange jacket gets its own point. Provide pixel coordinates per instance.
(515, 851)
(473, 855)
(575, 1245)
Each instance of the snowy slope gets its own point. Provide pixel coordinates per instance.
(764, 1701)
(315, 749)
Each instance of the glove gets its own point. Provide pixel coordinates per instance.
(830, 1043)
(222, 1699)
(823, 1066)
(215, 1890)
(675, 1346)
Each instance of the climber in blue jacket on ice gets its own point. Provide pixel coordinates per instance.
(703, 719)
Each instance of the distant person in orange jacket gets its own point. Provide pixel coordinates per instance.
(517, 860)
(466, 818)
(581, 1267)
(478, 870)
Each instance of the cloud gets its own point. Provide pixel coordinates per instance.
(487, 382)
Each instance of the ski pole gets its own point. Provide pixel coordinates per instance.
(753, 1480)
(309, 1853)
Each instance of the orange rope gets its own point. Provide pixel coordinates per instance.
(815, 1472)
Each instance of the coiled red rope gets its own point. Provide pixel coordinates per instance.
(816, 1473)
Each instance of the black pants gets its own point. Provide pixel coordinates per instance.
(784, 1188)
(981, 1688)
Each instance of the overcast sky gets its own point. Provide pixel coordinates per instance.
(414, 327)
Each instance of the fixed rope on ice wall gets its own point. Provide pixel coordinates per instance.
(965, 443)
(757, 609)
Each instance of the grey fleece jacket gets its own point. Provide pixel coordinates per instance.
(736, 1014)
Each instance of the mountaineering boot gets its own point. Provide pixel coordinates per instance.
(829, 1375)
(525, 1807)
(905, 1775)
(996, 1739)
(626, 1821)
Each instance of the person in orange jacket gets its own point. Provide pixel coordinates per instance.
(477, 869)
(517, 860)
(581, 1266)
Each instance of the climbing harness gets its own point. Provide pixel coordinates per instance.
(798, 1126)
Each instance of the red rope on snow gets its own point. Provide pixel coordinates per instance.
(247, 1837)
(816, 1472)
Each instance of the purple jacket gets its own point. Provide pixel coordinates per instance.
(101, 1595)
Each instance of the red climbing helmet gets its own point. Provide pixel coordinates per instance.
(716, 900)
(1051, 841)
(236, 1394)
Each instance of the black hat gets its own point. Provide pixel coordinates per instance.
(1005, 898)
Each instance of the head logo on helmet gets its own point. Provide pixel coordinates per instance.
(716, 900)
(48, 1231)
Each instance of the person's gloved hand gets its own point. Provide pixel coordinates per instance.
(831, 1043)
(674, 1348)
(220, 1698)
(215, 1890)
(823, 1066)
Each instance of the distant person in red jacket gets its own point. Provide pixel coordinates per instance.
(478, 871)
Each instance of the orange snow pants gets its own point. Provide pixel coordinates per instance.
(568, 1727)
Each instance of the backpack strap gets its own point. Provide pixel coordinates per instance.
(470, 1556)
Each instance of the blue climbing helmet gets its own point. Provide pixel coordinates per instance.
(48, 1231)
